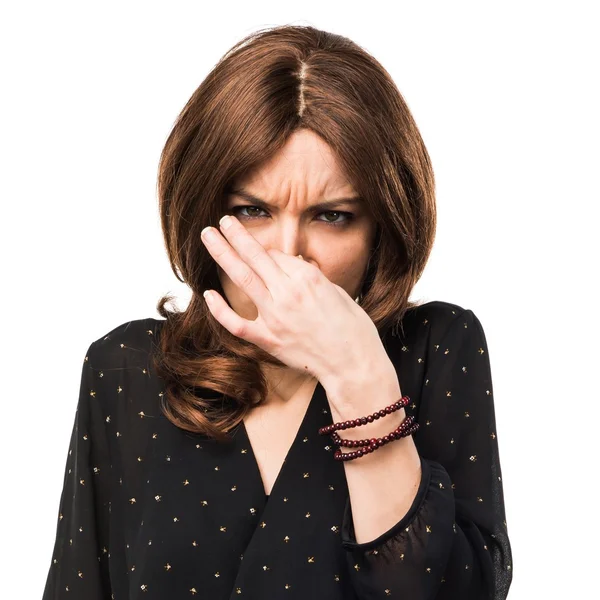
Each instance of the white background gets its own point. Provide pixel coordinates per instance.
(506, 99)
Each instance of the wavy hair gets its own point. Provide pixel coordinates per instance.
(269, 84)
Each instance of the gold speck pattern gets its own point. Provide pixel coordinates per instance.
(150, 511)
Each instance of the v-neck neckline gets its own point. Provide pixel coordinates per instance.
(317, 396)
(310, 485)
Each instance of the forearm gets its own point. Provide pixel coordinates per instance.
(382, 485)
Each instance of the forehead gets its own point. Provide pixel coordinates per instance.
(304, 170)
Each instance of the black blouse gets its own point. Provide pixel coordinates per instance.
(151, 511)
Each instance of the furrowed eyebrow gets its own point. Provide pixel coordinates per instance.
(321, 206)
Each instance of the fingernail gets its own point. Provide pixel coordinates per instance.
(226, 222)
(208, 233)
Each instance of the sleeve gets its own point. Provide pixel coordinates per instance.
(453, 542)
(79, 567)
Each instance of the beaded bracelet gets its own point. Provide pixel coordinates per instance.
(404, 401)
(366, 446)
(407, 423)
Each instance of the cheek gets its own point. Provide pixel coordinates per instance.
(346, 269)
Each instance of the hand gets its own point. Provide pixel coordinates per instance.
(304, 319)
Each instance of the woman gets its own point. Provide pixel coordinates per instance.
(204, 460)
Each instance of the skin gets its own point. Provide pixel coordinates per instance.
(304, 172)
(382, 485)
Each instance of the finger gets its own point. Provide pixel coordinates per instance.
(234, 323)
(236, 268)
(288, 263)
(253, 254)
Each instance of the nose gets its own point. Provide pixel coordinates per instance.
(293, 251)
(290, 242)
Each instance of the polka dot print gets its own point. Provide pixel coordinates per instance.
(151, 511)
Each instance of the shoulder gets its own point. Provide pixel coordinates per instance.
(129, 343)
(119, 370)
(439, 313)
(433, 319)
(451, 330)
(437, 323)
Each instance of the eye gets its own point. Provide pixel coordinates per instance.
(348, 216)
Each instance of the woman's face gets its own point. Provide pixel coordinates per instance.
(302, 174)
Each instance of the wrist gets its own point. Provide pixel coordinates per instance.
(356, 395)
(359, 373)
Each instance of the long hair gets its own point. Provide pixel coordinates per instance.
(269, 84)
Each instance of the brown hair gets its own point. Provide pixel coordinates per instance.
(271, 83)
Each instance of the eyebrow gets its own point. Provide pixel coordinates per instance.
(321, 206)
